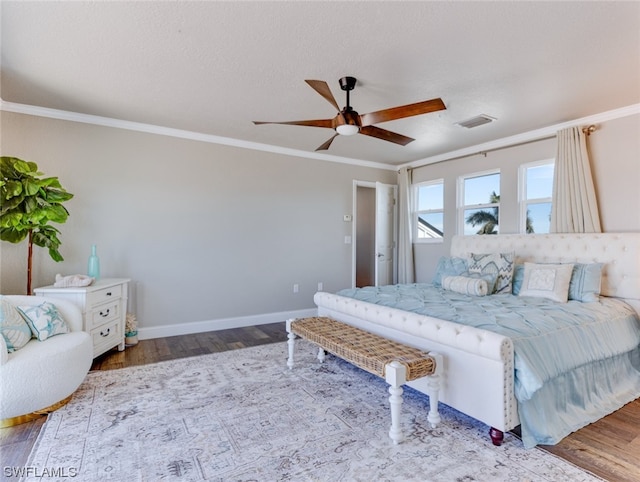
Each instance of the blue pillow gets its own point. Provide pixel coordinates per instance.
(585, 282)
(448, 266)
(518, 277)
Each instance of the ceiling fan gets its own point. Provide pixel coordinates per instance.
(348, 122)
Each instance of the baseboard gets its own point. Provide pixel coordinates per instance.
(221, 324)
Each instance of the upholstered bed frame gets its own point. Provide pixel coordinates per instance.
(479, 365)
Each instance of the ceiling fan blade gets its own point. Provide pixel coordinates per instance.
(385, 135)
(402, 111)
(312, 123)
(322, 88)
(326, 145)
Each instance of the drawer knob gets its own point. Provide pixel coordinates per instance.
(105, 333)
(108, 293)
(105, 313)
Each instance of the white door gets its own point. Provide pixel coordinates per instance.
(385, 234)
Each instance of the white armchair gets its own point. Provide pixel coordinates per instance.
(43, 373)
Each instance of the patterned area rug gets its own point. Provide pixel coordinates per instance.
(242, 415)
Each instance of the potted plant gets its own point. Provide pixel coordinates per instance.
(131, 330)
(28, 204)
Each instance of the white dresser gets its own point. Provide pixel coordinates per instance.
(104, 310)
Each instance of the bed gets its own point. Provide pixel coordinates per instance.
(505, 379)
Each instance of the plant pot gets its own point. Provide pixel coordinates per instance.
(131, 339)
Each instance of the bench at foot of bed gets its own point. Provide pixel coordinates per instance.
(393, 361)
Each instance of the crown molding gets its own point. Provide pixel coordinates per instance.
(182, 134)
(526, 137)
(517, 139)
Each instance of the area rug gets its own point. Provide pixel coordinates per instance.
(243, 415)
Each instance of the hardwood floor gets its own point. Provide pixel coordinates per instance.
(609, 448)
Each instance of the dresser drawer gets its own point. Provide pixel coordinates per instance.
(102, 314)
(106, 337)
(103, 295)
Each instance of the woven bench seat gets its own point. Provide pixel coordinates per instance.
(395, 362)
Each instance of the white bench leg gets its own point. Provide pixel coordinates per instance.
(291, 343)
(396, 376)
(433, 387)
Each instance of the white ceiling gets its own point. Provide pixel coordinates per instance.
(214, 67)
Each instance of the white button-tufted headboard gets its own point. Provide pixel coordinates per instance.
(619, 253)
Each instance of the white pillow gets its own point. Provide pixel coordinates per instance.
(44, 320)
(547, 281)
(466, 285)
(13, 328)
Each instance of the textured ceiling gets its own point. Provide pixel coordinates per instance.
(214, 67)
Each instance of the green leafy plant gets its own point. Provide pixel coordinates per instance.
(28, 204)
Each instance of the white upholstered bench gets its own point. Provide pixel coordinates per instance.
(393, 361)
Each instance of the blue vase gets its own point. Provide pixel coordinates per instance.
(93, 268)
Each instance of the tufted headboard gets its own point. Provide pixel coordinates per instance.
(619, 253)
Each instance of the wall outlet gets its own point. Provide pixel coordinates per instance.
(296, 288)
(347, 218)
(320, 286)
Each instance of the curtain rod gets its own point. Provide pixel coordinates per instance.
(588, 130)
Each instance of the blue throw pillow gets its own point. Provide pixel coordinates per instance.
(518, 277)
(448, 266)
(585, 282)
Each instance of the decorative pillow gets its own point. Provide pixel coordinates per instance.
(14, 329)
(547, 281)
(518, 277)
(449, 266)
(585, 282)
(466, 285)
(501, 264)
(44, 320)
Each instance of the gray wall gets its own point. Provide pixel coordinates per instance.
(211, 232)
(615, 158)
(205, 231)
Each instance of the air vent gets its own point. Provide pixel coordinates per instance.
(476, 121)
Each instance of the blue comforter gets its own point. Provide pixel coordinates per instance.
(574, 362)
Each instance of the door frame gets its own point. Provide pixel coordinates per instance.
(372, 185)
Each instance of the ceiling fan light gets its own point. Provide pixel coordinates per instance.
(347, 129)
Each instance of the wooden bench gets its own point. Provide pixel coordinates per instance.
(393, 361)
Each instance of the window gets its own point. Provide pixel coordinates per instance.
(429, 211)
(535, 188)
(479, 203)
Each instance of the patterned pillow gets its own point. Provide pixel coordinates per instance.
(448, 266)
(501, 264)
(547, 281)
(466, 285)
(15, 331)
(585, 282)
(44, 320)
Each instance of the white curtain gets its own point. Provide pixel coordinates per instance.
(574, 208)
(406, 272)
